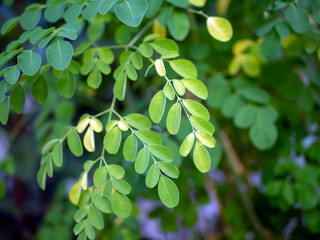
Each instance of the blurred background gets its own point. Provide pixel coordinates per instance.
(262, 185)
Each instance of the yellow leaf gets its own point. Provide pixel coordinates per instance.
(160, 67)
(84, 181)
(235, 64)
(96, 125)
(219, 28)
(159, 29)
(241, 45)
(83, 124)
(222, 6)
(74, 193)
(88, 140)
(198, 3)
(123, 125)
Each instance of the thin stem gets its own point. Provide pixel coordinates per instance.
(102, 113)
(198, 12)
(112, 108)
(137, 37)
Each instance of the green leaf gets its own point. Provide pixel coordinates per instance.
(106, 55)
(270, 47)
(164, 46)
(245, 117)
(130, 148)
(90, 231)
(8, 25)
(131, 12)
(4, 111)
(179, 87)
(79, 227)
(168, 192)
(145, 49)
(106, 5)
(206, 139)
(121, 186)
(131, 72)
(153, 176)
(282, 29)
(3, 87)
(112, 140)
(91, 9)
(255, 94)
(29, 62)
(57, 154)
(41, 177)
(136, 60)
(121, 205)
(142, 161)
(179, 3)
(66, 84)
(72, 13)
(202, 125)
(232, 105)
(169, 169)
(196, 87)
(94, 79)
(74, 143)
(161, 152)
(219, 28)
(263, 133)
(297, 18)
(59, 54)
(54, 12)
(81, 213)
(288, 193)
(184, 68)
(315, 12)
(196, 109)
(100, 177)
(116, 171)
(169, 92)
(174, 119)
(38, 35)
(74, 193)
(119, 89)
(153, 7)
(157, 106)
(95, 218)
(40, 90)
(18, 99)
(187, 145)
(30, 19)
(201, 158)
(178, 25)
(148, 137)
(101, 202)
(138, 121)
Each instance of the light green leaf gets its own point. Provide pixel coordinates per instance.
(18, 98)
(91, 9)
(232, 105)
(74, 143)
(142, 161)
(179, 87)
(116, 171)
(89, 231)
(161, 152)
(112, 140)
(187, 145)
(196, 109)
(145, 49)
(72, 13)
(157, 106)
(138, 121)
(245, 117)
(100, 177)
(169, 169)
(54, 12)
(163, 46)
(168, 192)
(106, 5)
(131, 72)
(206, 139)
(148, 137)
(30, 19)
(119, 89)
(196, 87)
(59, 54)
(101, 202)
(184, 68)
(94, 79)
(106, 55)
(81, 213)
(8, 25)
(130, 148)
(153, 176)
(174, 118)
(121, 186)
(179, 3)
(131, 12)
(41, 177)
(219, 28)
(74, 193)
(169, 92)
(29, 62)
(95, 218)
(136, 60)
(255, 94)
(202, 125)
(57, 154)
(79, 227)
(297, 18)
(201, 158)
(121, 205)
